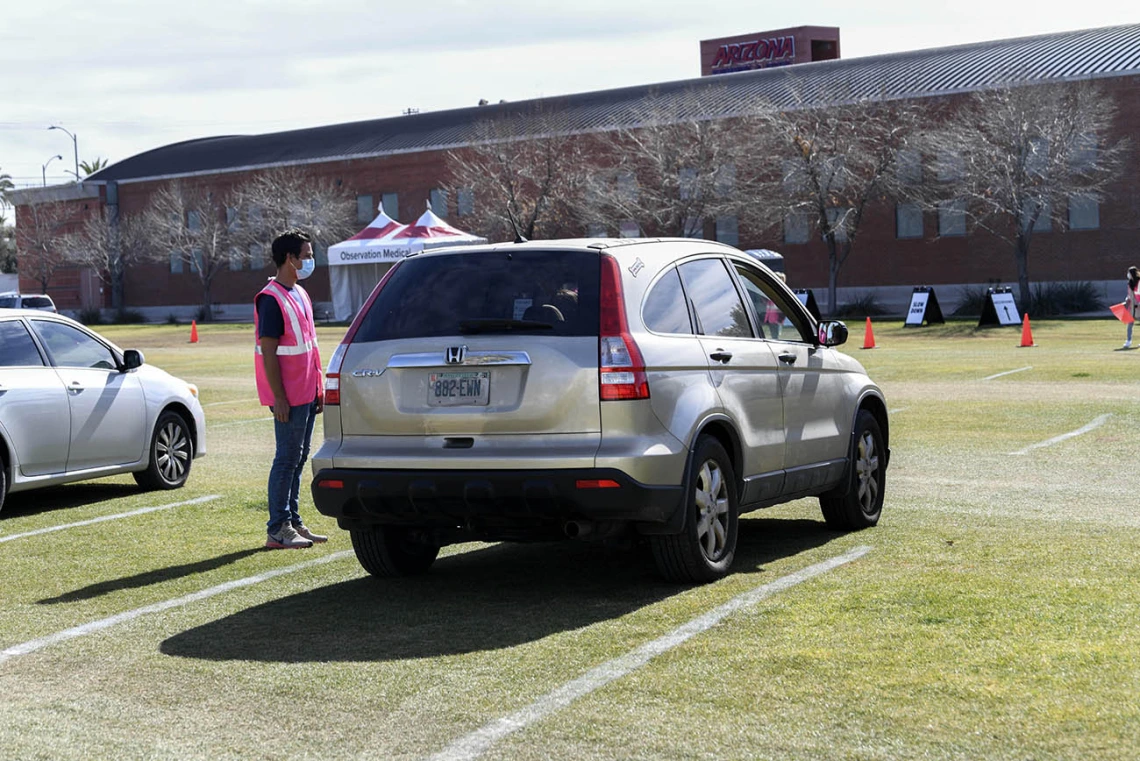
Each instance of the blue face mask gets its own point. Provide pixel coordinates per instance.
(307, 267)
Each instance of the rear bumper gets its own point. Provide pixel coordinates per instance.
(506, 498)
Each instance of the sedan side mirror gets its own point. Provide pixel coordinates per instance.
(132, 359)
(832, 333)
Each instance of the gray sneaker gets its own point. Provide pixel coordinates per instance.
(286, 538)
(314, 538)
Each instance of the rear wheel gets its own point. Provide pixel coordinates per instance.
(171, 452)
(704, 550)
(862, 504)
(386, 551)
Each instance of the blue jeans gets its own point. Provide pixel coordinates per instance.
(293, 440)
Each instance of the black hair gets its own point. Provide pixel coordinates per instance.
(289, 243)
(1133, 277)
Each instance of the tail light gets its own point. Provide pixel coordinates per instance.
(332, 375)
(621, 369)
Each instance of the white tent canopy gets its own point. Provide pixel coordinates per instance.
(357, 264)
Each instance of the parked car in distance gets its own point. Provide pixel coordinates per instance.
(73, 406)
(591, 389)
(14, 300)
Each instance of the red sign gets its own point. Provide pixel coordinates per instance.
(755, 54)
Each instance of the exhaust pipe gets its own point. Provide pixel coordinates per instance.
(577, 529)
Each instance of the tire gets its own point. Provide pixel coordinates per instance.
(170, 454)
(3, 481)
(862, 503)
(387, 551)
(705, 548)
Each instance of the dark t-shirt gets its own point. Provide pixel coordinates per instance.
(270, 321)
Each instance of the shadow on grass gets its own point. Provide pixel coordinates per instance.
(150, 577)
(487, 599)
(64, 497)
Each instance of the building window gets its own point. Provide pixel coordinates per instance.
(1083, 154)
(839, 219)
(952, 218)
(464, 202)
(694, 227)
(437, 197)
(1084, 213)
(1037, 159)
(596, 230)
(725, 180)
(256, 256)
(908, 220)
(391, 204)
(176, 267)
(726, 231)
(629, 229)
(364, 213)
(627, 187)
(687, 182)
(796, 228)
(909, 167)
(233, 225)
(950, 167)
(1044, 221)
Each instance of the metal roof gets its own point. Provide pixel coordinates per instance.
(1083, 54)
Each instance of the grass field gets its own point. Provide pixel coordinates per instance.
(995, 615)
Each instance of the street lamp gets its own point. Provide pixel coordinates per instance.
(44, 166)
(74, 143)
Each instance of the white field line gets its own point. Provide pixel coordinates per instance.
(243, 422)
(140, 511)
(477, 743)
(897, 409)
(231, 401)
(1096, 423)
(105, 623)
(1008, 372)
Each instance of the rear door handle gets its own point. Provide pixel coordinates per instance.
(788, 359)
(720, 355)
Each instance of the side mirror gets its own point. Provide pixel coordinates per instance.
(832, 333)
(132, 359)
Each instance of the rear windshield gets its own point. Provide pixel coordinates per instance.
(534, 292)
(35, 302)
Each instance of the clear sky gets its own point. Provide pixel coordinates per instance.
(126, 76)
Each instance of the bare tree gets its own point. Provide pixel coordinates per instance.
(827, 162)
(196, 228)
(278, 199)
(108, 247)
(678, 166)
(1018, 157)
(42, 236)
(524, 175)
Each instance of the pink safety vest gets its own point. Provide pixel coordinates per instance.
(297, 351)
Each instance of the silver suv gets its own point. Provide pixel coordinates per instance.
(590, 389)
(14, 300)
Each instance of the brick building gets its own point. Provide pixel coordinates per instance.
(401, 162)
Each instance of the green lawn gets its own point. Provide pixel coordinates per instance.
(995, 616)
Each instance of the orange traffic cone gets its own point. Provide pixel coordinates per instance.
(193, 331)
(869, 336)
(1026, 333)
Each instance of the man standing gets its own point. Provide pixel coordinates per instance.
(289, 382)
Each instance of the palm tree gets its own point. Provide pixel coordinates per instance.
(91, 167)
(6, 187)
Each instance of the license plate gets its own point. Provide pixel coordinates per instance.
(453, 389)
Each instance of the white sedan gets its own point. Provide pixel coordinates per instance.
(73, 406)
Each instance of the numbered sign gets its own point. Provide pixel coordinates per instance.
(923, 308)
(807, 298)
(999, 308)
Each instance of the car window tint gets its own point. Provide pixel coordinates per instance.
(778, 320)
(714, 295)
(71, 347)
(8, 302)
(440, 295)
(665, 308)
(36, 302)
(17, 349)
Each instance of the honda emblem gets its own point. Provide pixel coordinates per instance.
(456, 354)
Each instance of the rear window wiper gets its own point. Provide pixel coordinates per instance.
(493, 324)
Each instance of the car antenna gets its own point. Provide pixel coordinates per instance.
(519, 237)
